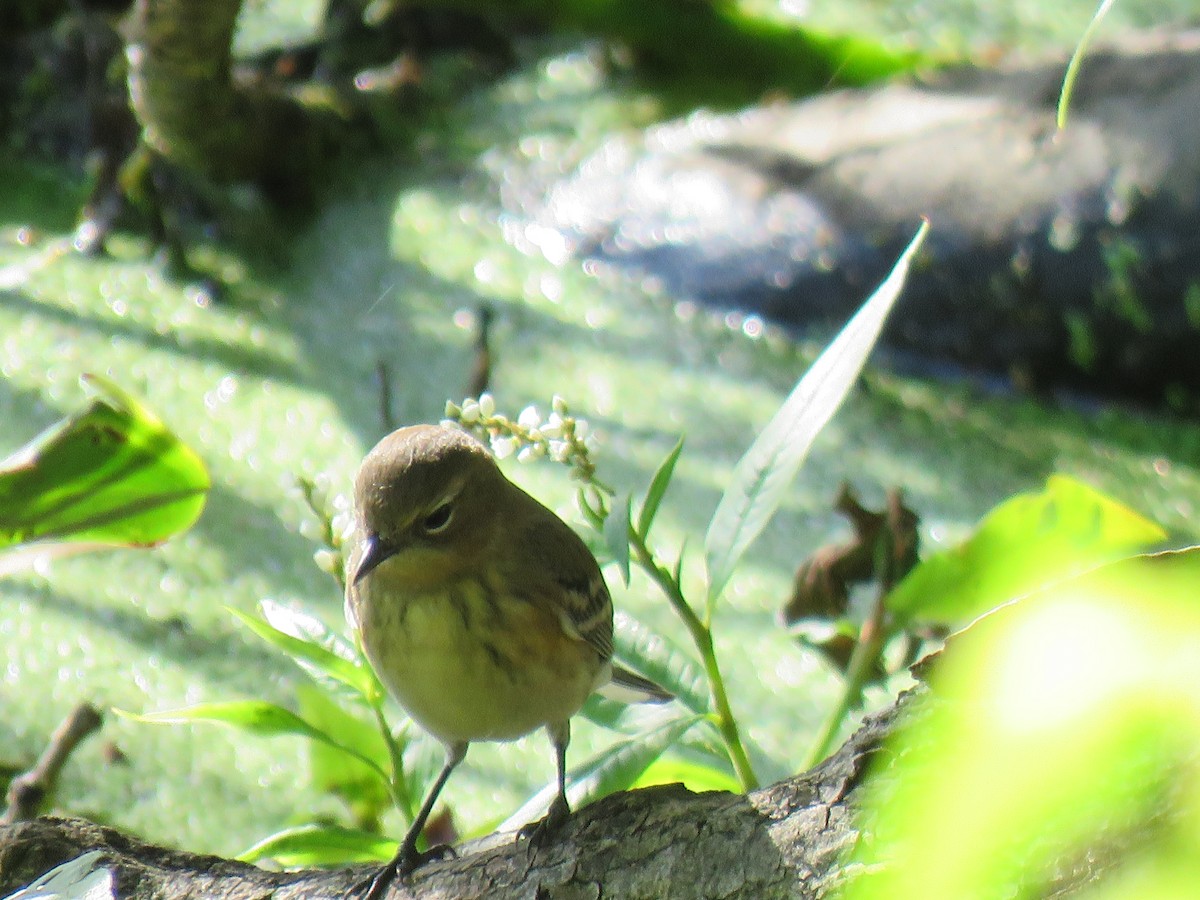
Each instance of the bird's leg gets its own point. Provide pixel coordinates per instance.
(408, 859)
(540, 831)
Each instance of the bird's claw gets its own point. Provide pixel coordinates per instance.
(539, 832)
(407, 861)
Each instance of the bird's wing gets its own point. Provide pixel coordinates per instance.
(573, 584)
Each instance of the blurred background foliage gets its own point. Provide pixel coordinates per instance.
(286, 343)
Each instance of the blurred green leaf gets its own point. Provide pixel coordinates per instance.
(1024, 544)
(652, 655)
(1068, 85)
(111, 474)
(694, 775)
(320, 652)
(765, 472)
(616, 534)
(1062, 720)
(658, 487)
(358, 784)
(255, 717)
(320, 845)
(613, 769)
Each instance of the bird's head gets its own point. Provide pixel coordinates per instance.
(424, 498)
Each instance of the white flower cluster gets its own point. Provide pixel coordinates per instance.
(561, 437)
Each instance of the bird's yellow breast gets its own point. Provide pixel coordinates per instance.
(468, 663)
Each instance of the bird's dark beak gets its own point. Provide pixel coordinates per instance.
(374, 551)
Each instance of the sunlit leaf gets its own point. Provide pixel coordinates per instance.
(359, 785)
(765, 472)
(1025, 543)
(694, 775)
(110, 474)
(320, 845)
(667, 665)
(658, 487)
(613, 769)
(317, 650)
(256, 717)
(1061, 720)
(1068, 85)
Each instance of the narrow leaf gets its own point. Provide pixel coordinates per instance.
(763, 475)
(658, 487)
(319, 661)
(616, 535)
(320, 845)
(1026, 543)
(110, 474)
(255, 717)
(652, 655)
(361, 786)
(1068, 86)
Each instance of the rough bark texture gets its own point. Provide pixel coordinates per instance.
(197, 117)
(786, 840)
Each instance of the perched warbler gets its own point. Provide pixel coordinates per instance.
(482, 612)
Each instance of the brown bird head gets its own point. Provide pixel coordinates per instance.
(424, 496)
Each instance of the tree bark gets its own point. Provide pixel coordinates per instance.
(786, 840)
(196, 116)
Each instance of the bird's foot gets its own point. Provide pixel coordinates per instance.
(406, 861)
(539, 832)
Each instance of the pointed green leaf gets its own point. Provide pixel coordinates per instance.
(616, 535)
(611, 770)
(320, 845)
(111, 474)
(255, 717)
(1026, 543)
(297, 635)
(359, 785)
(652, 655)
(1068, 85)
(658, 487)
(764, 474)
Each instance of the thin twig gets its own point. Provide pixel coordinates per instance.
(29, 790)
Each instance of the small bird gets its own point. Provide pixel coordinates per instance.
(482, 612)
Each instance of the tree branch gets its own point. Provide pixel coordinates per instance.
(786, 840)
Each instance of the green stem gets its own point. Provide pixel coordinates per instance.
(398, 784)
(862, 661)
(701, 636)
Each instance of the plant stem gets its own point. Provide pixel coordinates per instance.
(862, 660)
(701, 636)
(398, 784)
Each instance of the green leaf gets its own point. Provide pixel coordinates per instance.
(616, 535)
(359, 785)
(1068, 86)
(693, 774)
(652, 655)
(658, 487)
(320, 845)
(317, 650)
(611, 770)
(1062, 718)
(255, 717)
(111, 474)
(1024, 544)
(765, 472)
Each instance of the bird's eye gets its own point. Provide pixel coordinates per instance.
(438, 519)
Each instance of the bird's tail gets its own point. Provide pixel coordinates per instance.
(628, 687)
